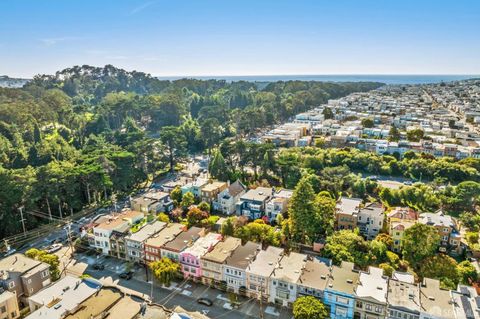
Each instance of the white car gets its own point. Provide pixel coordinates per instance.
(53, 248)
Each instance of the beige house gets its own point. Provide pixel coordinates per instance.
(9, 305)
(346, 213)
(210, 191)
(23, 276)
(213, 261)
(259, 271)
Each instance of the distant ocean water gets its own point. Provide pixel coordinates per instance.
(387, 79)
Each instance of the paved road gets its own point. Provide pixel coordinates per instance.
(182, 294)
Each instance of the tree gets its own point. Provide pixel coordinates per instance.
(175, 144)
(387, 269)
(45, 257)
(176, 195)
(328, 113)
(368, 123)
(165, 270)
(204, 206)
(441, 267)
(346, 245)
(309, 307)
(394, 134)
(467, 272)
(227, 227)
(419, 243)
(187, 200)
(162, 217)
(195, 216)
(218, 168)
(300, 211)
(415, 135)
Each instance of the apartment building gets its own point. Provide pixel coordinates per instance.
(135, 241)
(259, 271)
(214, 260)
(190, 257)
(9, 305)
(118, 249)
(278, 204)
(226, 199)
(371, 294)
(236, 265)
(465, 303)
(152, 202)
(447, 228)
(339, 294)
(153, 245)
(283, 281)
(346, 213)
(23, 276)
(370, 220)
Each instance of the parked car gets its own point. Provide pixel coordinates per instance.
(126, 275)
(205, 302)
(53, 248)
(98, 267)
(10, 252)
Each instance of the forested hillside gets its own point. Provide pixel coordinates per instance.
(84, 134)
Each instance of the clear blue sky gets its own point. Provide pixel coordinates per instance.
(242, 37)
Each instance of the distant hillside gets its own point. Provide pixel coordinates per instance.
(8, 82)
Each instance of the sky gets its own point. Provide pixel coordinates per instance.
(241, 37)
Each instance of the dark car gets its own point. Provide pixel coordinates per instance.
(126, 275)
(205, 301)
(99, 267)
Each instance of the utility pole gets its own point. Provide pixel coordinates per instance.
(261, 298)
(69, 235)
(22, 220)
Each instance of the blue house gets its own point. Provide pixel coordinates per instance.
(252, 203)
(339, 294)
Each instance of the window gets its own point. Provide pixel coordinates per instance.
(11, 284)
(3, 309)
(29, 281)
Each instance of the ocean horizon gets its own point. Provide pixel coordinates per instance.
(383, 78)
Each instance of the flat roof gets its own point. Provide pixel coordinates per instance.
(96, 304)
(290, 267)
(118, 219)
(243, 255)
(372, 284)
(258, 194)
(125, 308)
(222, 250)
(62, 296)
(343, 278)
(184, 239)
(403, 294)
(18, 263)
(434, 300)
(348, 206)
(315, 275)
(165, 235)
(203, 245)
(146, 231)
(6, 295)
(265, 261)
(213, 186)
(153, 312)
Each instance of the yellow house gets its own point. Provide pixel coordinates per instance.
(399, 220)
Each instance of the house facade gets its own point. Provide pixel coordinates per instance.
(173, 248)
(236, 265)
(214, 260)
(259, 270)
(9, 305)
(135, 241)
(252, 203)
(371, 294)
(190, 262)
(226, 199)
(154, 244)
(339, 294)
(346, 213)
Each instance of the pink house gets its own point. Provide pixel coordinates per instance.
(190, 257)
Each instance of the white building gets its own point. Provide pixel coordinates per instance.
(236, 265)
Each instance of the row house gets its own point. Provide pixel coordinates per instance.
(260, 270)
(339, 294)
(9, 305)
(403, 297)
(23, 276)
(226, 199)
(135, 241)
(190, 257)
(371, 294)
(252, 203)
(154, 244)
(118, 249)
(283, 281)
(236, 265)
(116, 222)
(314, 279)
(173, 248)
(214, 260)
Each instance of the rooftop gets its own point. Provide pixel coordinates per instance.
(404, 294)
(146, 231)
(404, 213)
(116, 220)
(236, 188)
(126, 308)
(315, 275)
(153, 311)
(62, 297)
(372, 284)
(437, 219)
(18, 263)
(343, 278)
(265, 261)
(184, 239)
(348, 206)
(99, 302)
(290, 267)
(213, 186)
(434, 300)
(258, 194)
(203, 244)
(243, 255)
(222, 250)
(6, 295)
(165, 235)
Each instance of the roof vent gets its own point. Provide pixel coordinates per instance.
(323, 277)
(431, 297)
(350, 281)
